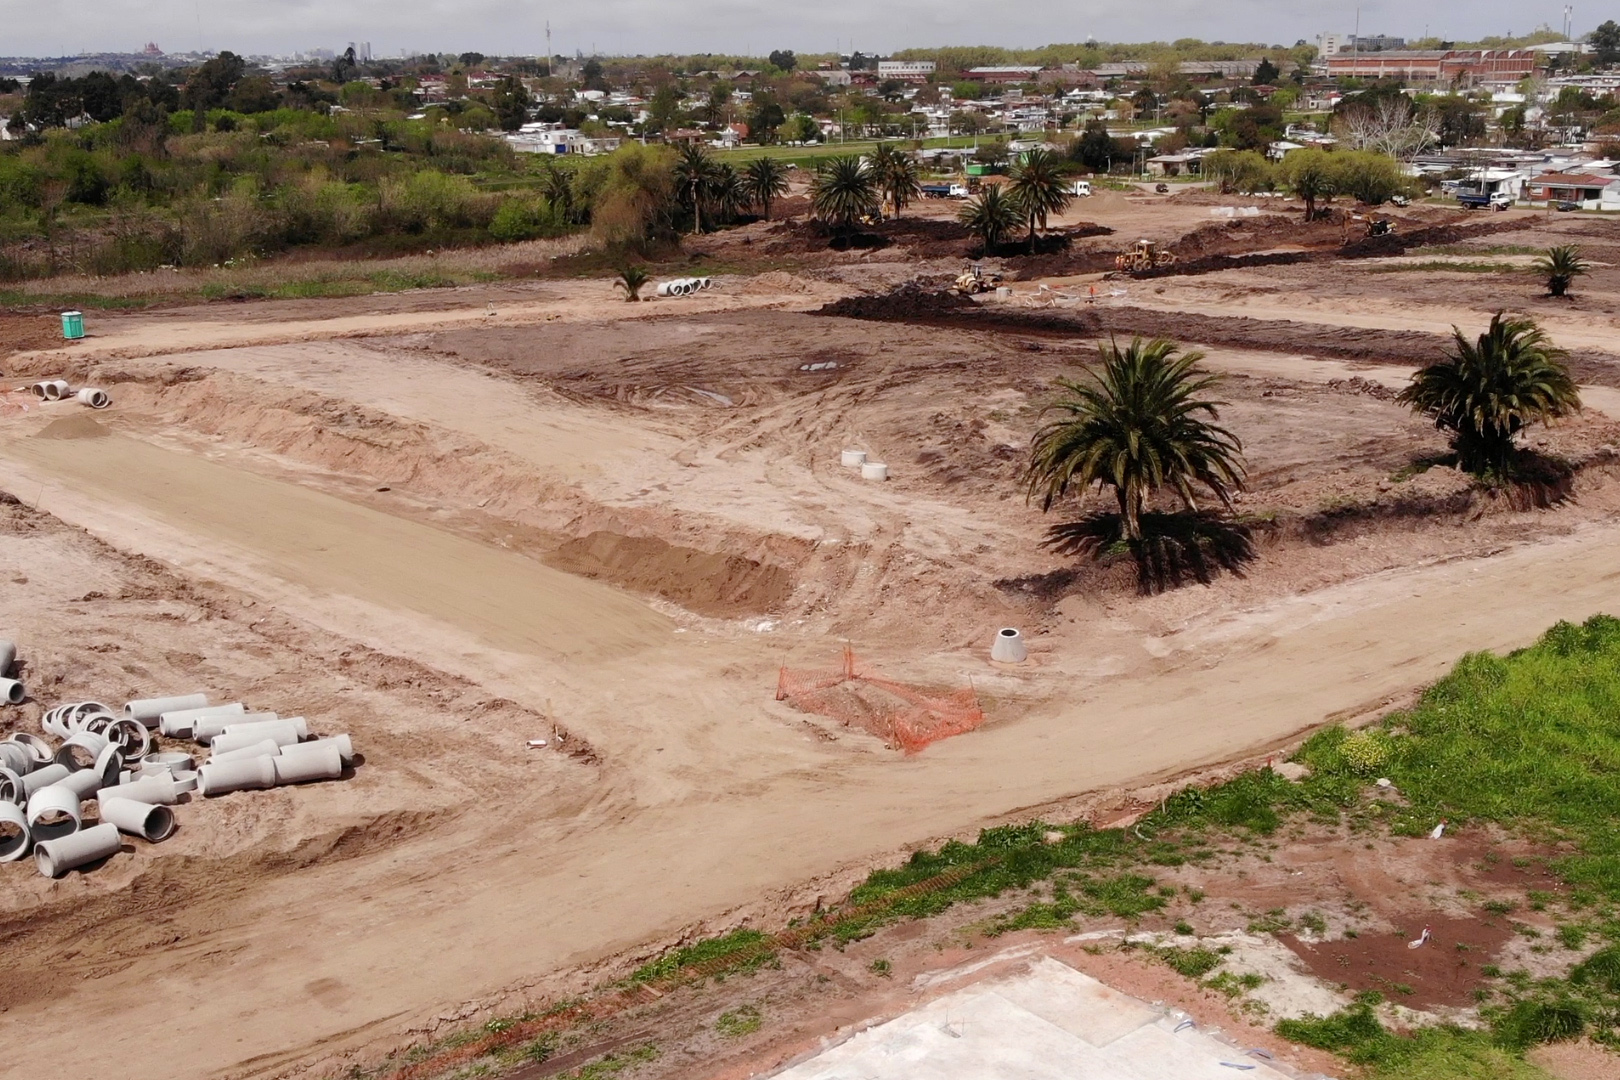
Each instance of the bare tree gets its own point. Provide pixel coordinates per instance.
(1390, 126)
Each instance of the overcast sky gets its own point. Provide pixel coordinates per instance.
(510, 27)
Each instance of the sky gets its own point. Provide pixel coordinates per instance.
(621, 27)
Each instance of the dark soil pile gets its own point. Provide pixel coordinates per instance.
(908, 303)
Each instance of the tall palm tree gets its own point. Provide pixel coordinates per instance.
(559, 191)
(695, 177)
(991, 217)
(1039, 187)
(1137, 425)
(766, 180)
(897, 175)
(843, 191)
(1487, 391)
(728, 194)
(1561, 265)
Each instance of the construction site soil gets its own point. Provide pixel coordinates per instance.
(452, 522)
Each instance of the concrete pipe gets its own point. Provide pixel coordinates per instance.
(93, 397)
(147, 710)
(874, 470)
(299, 725)
(52, 389)
(80, 716)
(43, 778)
(8, 655)
(345, 747)
(263, 748)
(81, 749)
(51, 723)
(43, 752)
(852, 459)
(323, 764)
(56, 857)
(14, 838)
(99, 722)
(1009, 647)
(204, 730)
(165, 764)
(129, 735)
(15, 756)
(177, 724)
(665, 288)
(149, 789)
(53, 811)
(216, 778)
(704, 283)
(150, 821)
(282, 734)
(12, 691)
(185, 781)
(11, 787)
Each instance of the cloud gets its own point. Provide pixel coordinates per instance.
(509, 27)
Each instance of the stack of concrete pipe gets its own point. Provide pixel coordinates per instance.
(60, 390)
(683, 286)
(112, 759)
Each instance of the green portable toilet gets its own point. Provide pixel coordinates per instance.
(73, 325)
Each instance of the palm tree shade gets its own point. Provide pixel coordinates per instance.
(1488, 390)
(1138, 424)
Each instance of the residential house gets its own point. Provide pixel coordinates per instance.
(1592, 190)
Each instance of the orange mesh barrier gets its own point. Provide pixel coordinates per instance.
(906, 717)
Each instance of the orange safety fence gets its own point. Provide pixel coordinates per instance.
(906, 717)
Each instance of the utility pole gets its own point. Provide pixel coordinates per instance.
(548, 47)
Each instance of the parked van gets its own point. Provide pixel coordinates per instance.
(1082, 188)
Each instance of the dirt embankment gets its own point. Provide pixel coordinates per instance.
(1413, 347)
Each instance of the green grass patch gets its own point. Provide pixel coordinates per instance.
(741, 1021)
(614, 1064)
(1193, 963)
(1439, 1053)
(1446, 266)
(748, 947)
(1479, 249)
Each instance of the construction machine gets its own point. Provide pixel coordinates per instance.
(973, 280)
(1380, 227)
(1144, 255)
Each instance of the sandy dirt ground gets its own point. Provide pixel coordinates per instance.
(449, 532)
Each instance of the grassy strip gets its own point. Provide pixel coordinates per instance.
(1442, 266)
(1478, 249)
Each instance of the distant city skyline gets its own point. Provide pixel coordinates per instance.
(507, 27)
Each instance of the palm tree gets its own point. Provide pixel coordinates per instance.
(695, 176)
(559, 192)
(1136, 426)
(897, 175)
(728, 194)
(1562, 265)
(765, 180)
(843, 191)
(1487, 391)
(991, 217)
(631, 279)
(1038, 187)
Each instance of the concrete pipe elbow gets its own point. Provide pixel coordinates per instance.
(1009, 647)
(206, 729)
(217, 778)
(152, 822)
(282, 733)
(81, 749)
(53, 811)
(105, 773)
(165, 764)
(43, 778)
(94, 397)
(263, 748)
(323, 764)
(12, 691)
(345, 747)
(148, 789)
(56, 857)
(178, 723)
(14, 838)
(147, 710)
